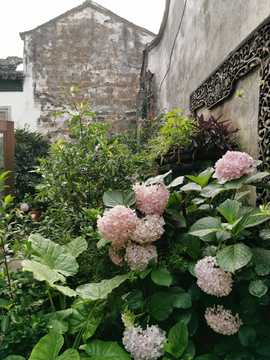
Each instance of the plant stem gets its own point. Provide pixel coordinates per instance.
(6, 266)
(79, 336)
(50, 297)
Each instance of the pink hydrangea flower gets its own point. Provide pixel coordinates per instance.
(117, 224)
(24, 207)
(222, 321)
(151, 199)
(233, 165)
(116, 257)
(144, 344)
(138, 256)
(148, 229)
(212, 280)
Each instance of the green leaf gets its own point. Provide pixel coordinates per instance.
(175, 219)
(241, 194)
(248, 305)
(207, 357)
(246, 335)
(191, 186)
(161, 277)
(4, 323)
(69, 354)
(100, 290)
(48, 347)
(87, 315)
(129, 199)
(44, 273)
(257, 288)
(203, 177)
(265, 234)
(206, 226)
(76, 246)
(160, 305)
(101, 243)
(261, 256)
(157, 179)
(234, 257)
(212, 190)
(14, 357)
(177, 340)
(249, 220)
(181, 300)
(56, 321)
(176, 182)
(256, 178)
(113, 198)
(105, 350)
(189, 352)
(192, 244)
(135, 299)
(53, 256)
(236, 184)
(229, 209)
(144, 273)
(262, 269)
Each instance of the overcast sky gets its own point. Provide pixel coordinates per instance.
(23, 15)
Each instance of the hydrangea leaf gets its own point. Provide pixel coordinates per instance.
(229, 209)
(100, 290)
(234, 257)
(161, 277)
(262, 269)
(249, 220)
(177, 339)
(212, 190)
(248, 305)
(191, 186)
(257, 288)
(246, 335)
(189, 352)
(261, 256)
(130, 199)
(257, 177)
(52, 255)
(203, 177)
(236, 184)
(135, 299)
(157, 179)
(87, 315)
(160, 305)
(105, 350)
(206, 226)
(76, 246)
(176, 182)
(207, 357)
(113, 198)
(241, 194)
(265, 234)
(14, 357)
(181, 301)
(192, 245)
(48, 347)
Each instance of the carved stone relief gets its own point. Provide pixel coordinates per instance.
(253, 51)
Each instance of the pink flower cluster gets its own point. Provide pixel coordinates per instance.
(151, 199)
(212, 280)
(24, 207)
(233, 165)
(138, 256)
(117, 224)
(144, 344)
(222, 321)
(148, 229)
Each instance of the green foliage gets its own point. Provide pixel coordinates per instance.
(175, 133)
(29, 147)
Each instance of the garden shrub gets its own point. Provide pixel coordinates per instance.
(29, 147)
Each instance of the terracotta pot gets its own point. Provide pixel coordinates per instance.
(37, 215)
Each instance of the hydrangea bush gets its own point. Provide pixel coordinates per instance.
(221, 291)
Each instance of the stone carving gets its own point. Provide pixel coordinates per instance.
(221, 83)
(10, 63)
(255, 50)
(264, 131)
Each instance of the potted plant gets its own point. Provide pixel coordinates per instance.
(183, 145)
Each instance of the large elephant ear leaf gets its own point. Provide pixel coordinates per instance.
(48, 347)
(95, 291)
(53, 256)
(105, 350)
(76, 246)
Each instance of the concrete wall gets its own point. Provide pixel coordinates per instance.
(88, 46)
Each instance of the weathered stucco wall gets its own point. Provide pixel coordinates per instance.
(88, 46)
(198, 36)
